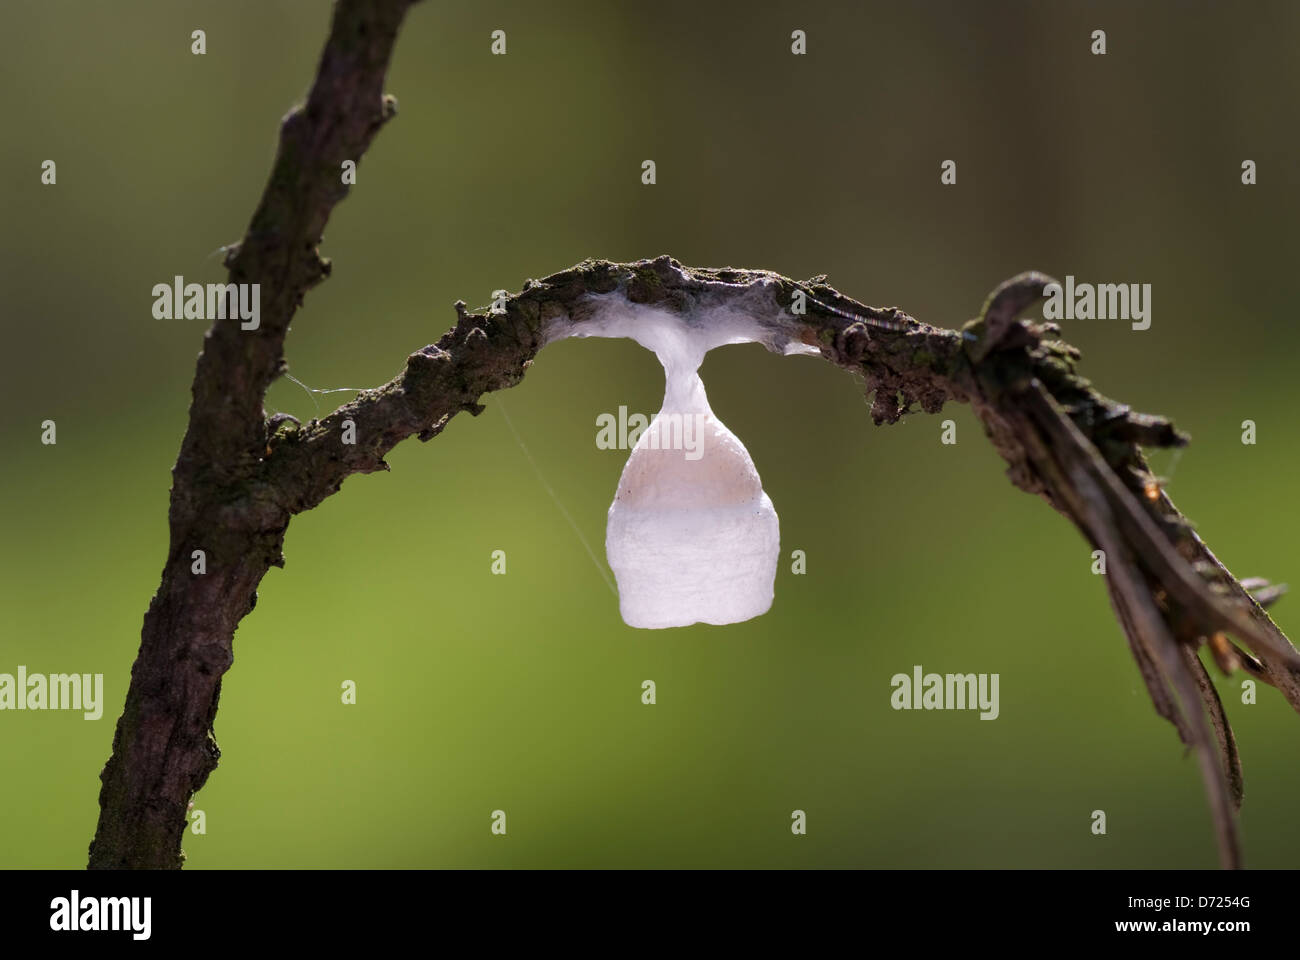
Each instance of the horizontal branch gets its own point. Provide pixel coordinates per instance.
(913, 363)
(1062, 440)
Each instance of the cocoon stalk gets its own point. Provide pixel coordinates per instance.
(691, 536)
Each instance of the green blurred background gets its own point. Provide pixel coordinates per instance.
(522, 692)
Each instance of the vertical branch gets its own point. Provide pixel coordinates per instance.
(163, 746)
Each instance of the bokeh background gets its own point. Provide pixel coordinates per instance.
(522, 692)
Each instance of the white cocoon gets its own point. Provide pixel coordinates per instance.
(691, 536)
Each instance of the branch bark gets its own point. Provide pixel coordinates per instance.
(240, 477)
(163, 748)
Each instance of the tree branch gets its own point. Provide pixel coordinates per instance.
(163, 748)
(240, 477)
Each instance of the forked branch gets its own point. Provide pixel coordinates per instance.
(240, 476)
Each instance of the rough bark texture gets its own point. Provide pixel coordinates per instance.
(163, 748)
(240, 477)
